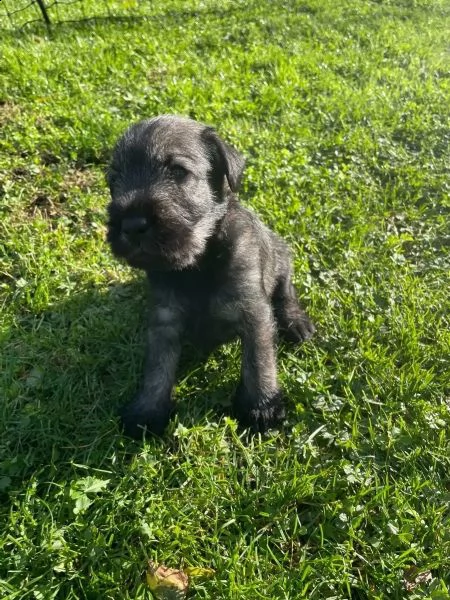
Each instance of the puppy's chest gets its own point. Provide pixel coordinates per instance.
(213, 320)
(208, 297)
(211, 300)
(212, 311)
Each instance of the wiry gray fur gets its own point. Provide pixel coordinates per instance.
(216, 272)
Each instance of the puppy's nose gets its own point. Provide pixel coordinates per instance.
(134, 225)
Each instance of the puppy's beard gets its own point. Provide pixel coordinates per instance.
(184, 255)
(179, 250)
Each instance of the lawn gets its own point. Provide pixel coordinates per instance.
(342, 110)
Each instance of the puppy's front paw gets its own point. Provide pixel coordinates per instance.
(143, 415)
(261, 413)
(296, 326)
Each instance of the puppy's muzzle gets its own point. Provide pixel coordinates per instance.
(134, 229)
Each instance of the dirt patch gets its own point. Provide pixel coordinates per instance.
(8, 111)
(48, 158)
(82, 179)
(44, 206)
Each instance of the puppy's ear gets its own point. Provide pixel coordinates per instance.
(109, 176)
(225, 160)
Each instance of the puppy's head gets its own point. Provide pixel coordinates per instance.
(171, 180)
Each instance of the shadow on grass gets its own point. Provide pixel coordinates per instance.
(66, 372)
(86, 22)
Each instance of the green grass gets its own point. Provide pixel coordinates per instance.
(342, 109)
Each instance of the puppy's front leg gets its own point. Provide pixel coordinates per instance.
(258, 402)
(153, 405)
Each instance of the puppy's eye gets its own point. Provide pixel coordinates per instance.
(178, 172)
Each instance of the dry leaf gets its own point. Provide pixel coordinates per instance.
(413, 577)
(166, 583)
(172, 584)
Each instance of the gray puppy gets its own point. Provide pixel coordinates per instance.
(215, 271)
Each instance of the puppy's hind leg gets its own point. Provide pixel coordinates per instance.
(293, 323)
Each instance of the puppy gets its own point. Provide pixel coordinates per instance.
(215, 271)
